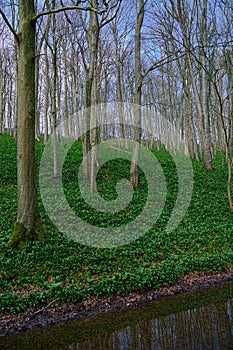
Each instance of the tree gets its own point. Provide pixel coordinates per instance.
(28, 226)
(134, 177)
(204, 89)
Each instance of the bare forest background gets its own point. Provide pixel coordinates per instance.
(174, 57)
(186, 66)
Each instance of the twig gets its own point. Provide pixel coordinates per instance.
(44, 308)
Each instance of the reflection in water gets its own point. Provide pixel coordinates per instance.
(204, 328)
(194, 321)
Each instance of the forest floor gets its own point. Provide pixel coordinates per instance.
(60, 279)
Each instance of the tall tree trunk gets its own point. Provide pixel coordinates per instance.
(26, 224)
(204, 82)
(94, 96)
(119, 92)
(14, 106)
(183, 19)
(66, 116)
(134, 176)
(37, 110)
(88, 141)
(54, 97)
(46, 98)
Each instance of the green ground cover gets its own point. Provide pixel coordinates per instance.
(62, 270)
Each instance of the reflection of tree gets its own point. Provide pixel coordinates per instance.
(207, 327)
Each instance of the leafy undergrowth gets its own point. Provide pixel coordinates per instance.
(61, 269)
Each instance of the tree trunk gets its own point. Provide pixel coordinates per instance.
(134, 176)
(66, 114)
(88, 140)
(26, 227)
(46, 97)
(119, 92)
(54, 96)
(204, 82)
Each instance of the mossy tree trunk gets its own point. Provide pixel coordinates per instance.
(26, 223)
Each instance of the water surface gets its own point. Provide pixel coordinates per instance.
(197, 320)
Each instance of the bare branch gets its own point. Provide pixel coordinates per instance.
(108, 20)
(162, 62)
(9, 25)
(69, 8)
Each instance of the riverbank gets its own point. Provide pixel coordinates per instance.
(49, 315)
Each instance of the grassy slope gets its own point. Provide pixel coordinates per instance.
(61, 269)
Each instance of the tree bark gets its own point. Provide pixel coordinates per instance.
(26, 228)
